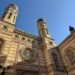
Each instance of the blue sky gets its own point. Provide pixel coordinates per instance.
(59, 15)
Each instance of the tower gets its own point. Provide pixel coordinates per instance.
(42, 27)
(10, 14)
(43, 33)
(47, 41)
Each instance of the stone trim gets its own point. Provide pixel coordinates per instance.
(25, 34)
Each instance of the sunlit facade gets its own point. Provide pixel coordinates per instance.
(22, 53)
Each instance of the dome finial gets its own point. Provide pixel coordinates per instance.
(71, 28)
(40, 19)
(13, 6)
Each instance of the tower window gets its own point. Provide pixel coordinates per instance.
(47, 31)
(1, 44)
(13, 18)
(9, 15)
(70, 56)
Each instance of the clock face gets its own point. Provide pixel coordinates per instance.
(26, 54)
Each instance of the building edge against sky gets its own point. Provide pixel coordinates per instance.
(26, 54)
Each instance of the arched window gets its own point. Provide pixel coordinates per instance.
(56, 60)
(1, 44)
(71, 56)
(47, 31)
(13, 18)
(10, 15)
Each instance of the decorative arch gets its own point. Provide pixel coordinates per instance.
(10, 15)
(70, 56)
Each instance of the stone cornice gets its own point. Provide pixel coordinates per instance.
(64, 40)
(7, 22)
(71, 35)
(25, 34)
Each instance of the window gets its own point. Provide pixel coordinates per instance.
(28, 40)
(71, 56)
(56, 60)
(51, 43)
(9, 15)
(16, 36)
(33, 42)
(5, 27)
(1, 44)
(23, 38)
(13, 18)
(47, 31)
